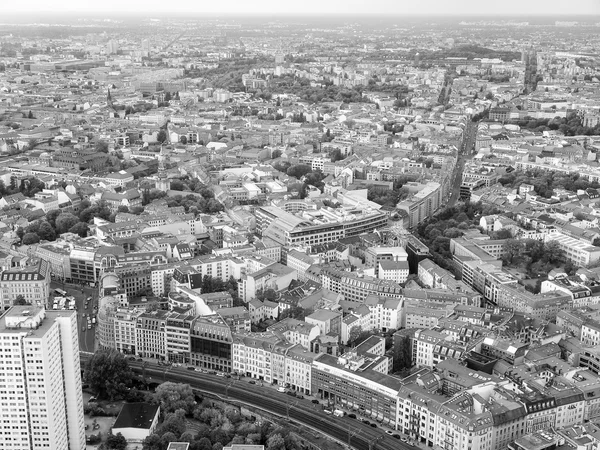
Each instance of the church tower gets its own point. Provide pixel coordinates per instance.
(163, 183)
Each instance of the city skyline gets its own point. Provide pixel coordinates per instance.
(313, 7)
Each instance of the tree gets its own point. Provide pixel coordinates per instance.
(116, 442)
(80, 228)
(52, 215)
(299, 170)
(30, 238)
(65, 221)
(108, 374)
(123, 209)
(513, 252)
(30, 115)
(174, 396)
(101, 146)
(276, 154)
(183, 139)
(20, 300)
(553, 253)
(174, 423)
(162, 136)
(46, 232)
(402, 354)
(357, 335)
(275, 442)
(266, 294)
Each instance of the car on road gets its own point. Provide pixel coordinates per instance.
(396, 436)
(374, 425)
(131, 358)
(89, 326)
(190, 368)
(198, 369)
(352, 416)
(220, 374)
(252, 382)
(140, 360)
(390, 432)
(403, 439)
(327, 411)
(315, 401)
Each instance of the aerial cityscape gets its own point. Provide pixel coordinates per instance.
(287, 227)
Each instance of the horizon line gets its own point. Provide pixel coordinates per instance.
(296, 14)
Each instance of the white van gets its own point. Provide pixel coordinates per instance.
(281, 389)
(338, 413)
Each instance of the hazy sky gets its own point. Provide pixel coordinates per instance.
(454, 7)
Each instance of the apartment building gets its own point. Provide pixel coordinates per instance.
(30, 282)
(251, 354)
(41, 395)
(124, 326)
(355, 286)
(150, 334)
(423, 204)
(300, 262)
(386, 312)
(177, 337)
(376, 255)
(296, 331)
(423, 344)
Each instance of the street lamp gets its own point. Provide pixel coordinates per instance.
(350, 434)
(227, 387)
(373, 443)
(288, 405)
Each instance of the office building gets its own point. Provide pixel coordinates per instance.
(42, 403)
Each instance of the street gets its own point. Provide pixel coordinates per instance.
(465, 152)
(86, 338)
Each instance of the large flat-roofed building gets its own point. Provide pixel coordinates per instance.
(42, 402)
(316, 226)
(576, 250)
(423, 204)
(355, 386)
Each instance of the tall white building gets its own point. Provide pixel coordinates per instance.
(40, 380)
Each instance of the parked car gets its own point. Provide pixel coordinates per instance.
(352, 416)
(374, 425)
(366, 422)
(316, 402)
(300, 396)
(252, 382)
(281, 389)
(131, 358)
(390, 432)
(140, 360)
(190, 368)
(291, 393)
(327, 411)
